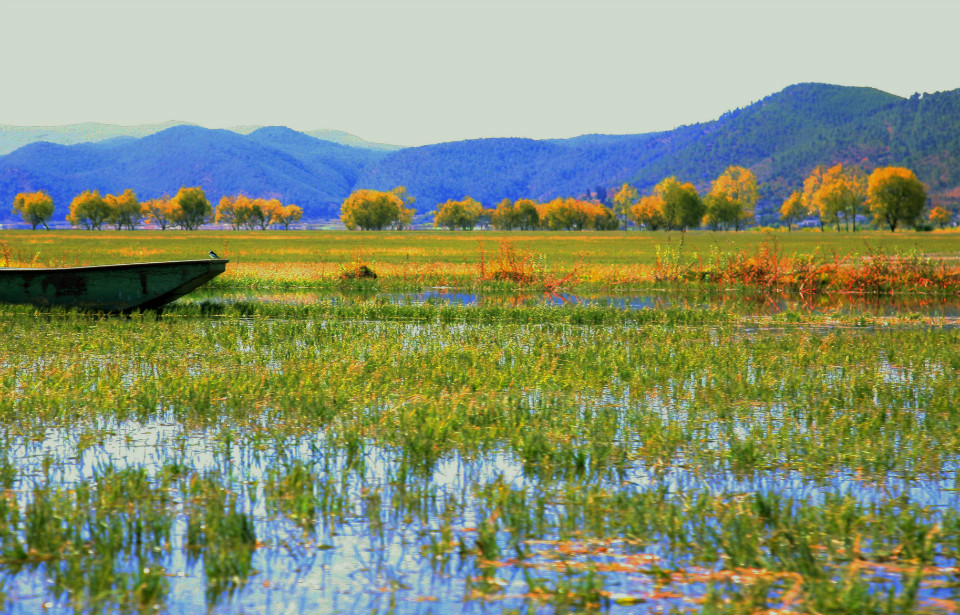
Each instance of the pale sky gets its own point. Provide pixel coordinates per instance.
(416, 72)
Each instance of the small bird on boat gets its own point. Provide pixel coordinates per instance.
(213, 254)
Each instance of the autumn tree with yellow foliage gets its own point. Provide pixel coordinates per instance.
(895, 196)
(504, 216)
(406, 211)
(34, 207)
(160, 211)
(241, 211)
(125, 210)
(262, 213)
(624, 200)
(232, 211)
(526, 214)
(941, 216)
(731, 200)
(569, 214)
(192, 208)
(680, 204)
(793, 209)
(371, 210)
(522, 214)
(287, 215)
(89, 210)
(648, 212)
(836, 194)
(463, 214)
(808, 196)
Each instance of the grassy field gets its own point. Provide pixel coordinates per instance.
(411, 260)
(355, 454)
(443, 247)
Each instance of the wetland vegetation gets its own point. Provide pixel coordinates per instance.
(867, 261)
(397, 453)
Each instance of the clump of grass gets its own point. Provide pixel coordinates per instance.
(357, 275)
(222, 533)
(523, 268)
(767, 268)
(100, 542)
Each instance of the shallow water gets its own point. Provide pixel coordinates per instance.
(373, 546)
(737, 301)
(354, 566)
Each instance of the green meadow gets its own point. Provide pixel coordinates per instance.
(444, 247)
(313, 442)
(871, 262)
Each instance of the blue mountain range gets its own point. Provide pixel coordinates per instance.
(781, 138)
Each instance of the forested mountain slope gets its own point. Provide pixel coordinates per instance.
(271, 162)
(781, 138)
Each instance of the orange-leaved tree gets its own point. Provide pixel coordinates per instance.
(262, 212)
(526, 214)
(504, 217)
(406, 212)
(575, 214)
(941, 215)
(160, 211)
(287, 215)
(811, 185)
(648, 212)
(233, 211)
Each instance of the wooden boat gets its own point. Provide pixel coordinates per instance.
(107, 288)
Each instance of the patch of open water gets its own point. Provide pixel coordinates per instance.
(738, 301)
(346, 567)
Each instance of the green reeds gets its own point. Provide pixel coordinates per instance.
(571, 456)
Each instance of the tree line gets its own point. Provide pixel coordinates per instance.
(835, 196)
(893, 196)
(188, 210)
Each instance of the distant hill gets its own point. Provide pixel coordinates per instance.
(334, 136)
(781, 138)
(345, 138)
(15, 137)
(269, 162)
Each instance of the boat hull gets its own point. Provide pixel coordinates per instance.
(107, 288)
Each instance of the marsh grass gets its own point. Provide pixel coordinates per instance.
(867, 262)
(768, 267)
(252, 455)
(623, 426)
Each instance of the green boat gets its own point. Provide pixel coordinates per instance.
(107, 288)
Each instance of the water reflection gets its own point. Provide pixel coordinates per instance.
(735, 301)
(376, 556)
